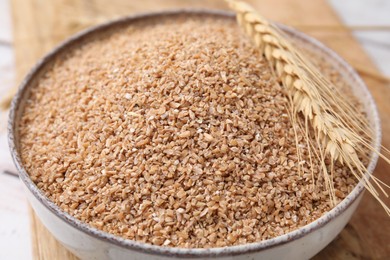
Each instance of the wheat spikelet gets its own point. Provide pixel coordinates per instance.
(340, 142)
(313, 96)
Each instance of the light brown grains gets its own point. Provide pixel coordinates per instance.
(173, 132)
(208, 137)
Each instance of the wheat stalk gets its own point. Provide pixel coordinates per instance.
(312, 95)
(340, 142)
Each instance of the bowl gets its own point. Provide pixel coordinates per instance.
(87, 242)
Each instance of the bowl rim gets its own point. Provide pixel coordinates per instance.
(174, 251)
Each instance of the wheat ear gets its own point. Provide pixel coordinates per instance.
(311, 95)
(307, 100)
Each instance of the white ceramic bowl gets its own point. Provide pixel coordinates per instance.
(89, 243)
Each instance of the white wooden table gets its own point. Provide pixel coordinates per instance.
(14, 220)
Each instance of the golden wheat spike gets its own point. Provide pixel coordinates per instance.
(312, 96)
(308, 101)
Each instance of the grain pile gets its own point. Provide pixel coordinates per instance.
(173, 132)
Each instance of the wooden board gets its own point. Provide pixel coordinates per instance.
(41, 24)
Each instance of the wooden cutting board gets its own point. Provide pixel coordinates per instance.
(41, 24)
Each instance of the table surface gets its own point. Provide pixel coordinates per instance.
(354, 242)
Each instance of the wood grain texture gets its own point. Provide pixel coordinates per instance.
(41, 24)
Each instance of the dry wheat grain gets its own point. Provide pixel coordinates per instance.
(179, 136)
